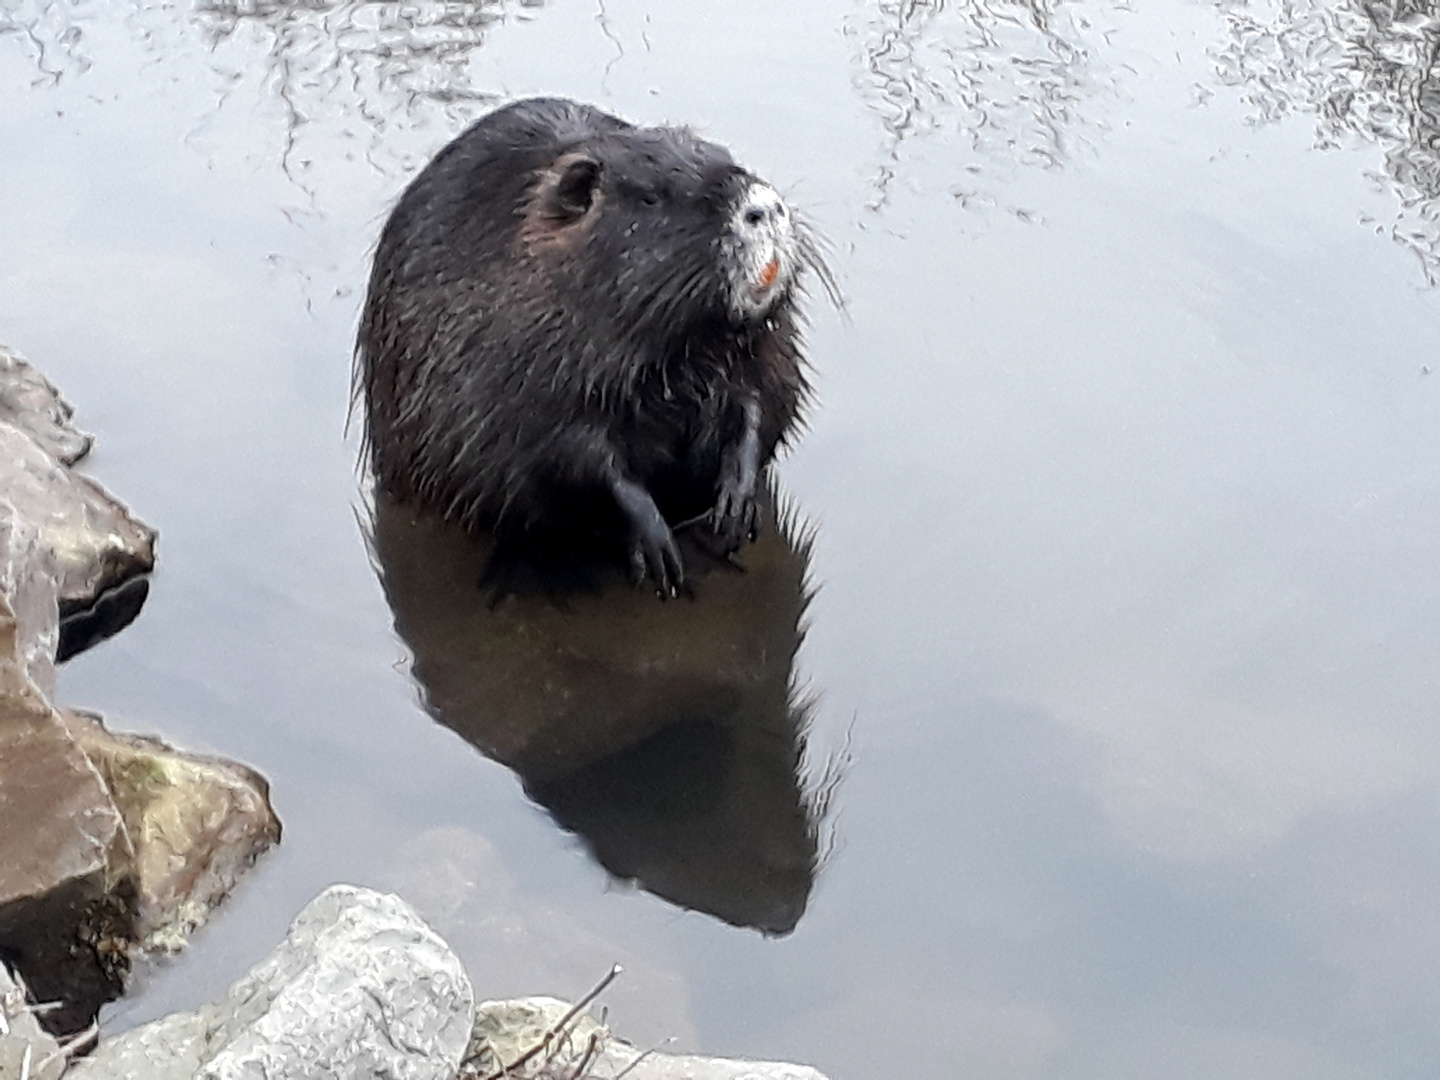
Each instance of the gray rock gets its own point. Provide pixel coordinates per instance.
(128, 846)
(73, 830)
(515, 944)
(29, 612)
(507, 1033)
(360, 989)
(30, 402)
(94, 543)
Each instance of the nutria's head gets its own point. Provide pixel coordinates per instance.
(660, 231)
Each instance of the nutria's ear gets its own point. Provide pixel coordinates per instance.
(568, 188)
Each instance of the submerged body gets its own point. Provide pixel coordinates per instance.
(582, 330)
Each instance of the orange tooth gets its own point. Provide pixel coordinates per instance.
(768, 273)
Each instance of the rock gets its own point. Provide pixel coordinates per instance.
(506, 1033)
(30, 402)
(94, 543)
(29, 610)
(195, 824)
(360, 989)
(108, 843)
(58, 868)
(26, 1049)
(130, 845)
(72, 828)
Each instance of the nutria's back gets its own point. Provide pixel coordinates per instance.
(579, 325)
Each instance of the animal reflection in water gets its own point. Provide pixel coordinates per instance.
(669, 736)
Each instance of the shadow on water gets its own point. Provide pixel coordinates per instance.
(670, 736)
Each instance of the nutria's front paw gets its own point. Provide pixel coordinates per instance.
(736, 516)
(653, 554)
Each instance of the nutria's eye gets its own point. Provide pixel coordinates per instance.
(650, 198)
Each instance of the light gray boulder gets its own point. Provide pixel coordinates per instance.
(361, 989)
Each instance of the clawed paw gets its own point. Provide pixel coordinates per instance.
(654, 556)
(735, 517)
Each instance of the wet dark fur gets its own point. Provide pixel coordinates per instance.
(547, 312)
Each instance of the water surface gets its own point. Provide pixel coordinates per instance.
(1123, 482)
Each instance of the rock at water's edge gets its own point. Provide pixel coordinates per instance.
(93, 542)
(30, 402)
(360, 988)
(196, 823)
(107, 842)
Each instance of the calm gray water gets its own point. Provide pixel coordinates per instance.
(1123, 480)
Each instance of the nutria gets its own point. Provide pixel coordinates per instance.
(581, 329)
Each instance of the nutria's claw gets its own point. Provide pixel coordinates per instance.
(653, 554)
(735, 517)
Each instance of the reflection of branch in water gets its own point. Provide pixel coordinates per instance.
(602, 17)
(1365, 68)
(325, 55)
(50, 34)
(1008, 76)
(330, 63)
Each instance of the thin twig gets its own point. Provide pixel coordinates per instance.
(592, 1050)
(557, 1027)
(642, 1056)
(591, 996)
(71, 1046)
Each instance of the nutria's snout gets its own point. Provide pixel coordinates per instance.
(764, 250)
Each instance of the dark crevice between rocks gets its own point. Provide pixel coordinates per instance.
(71, 946)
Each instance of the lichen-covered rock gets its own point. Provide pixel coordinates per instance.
(507, 1034)
(128, 844)
(361, 988)
(195, 824)
(30, 402)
